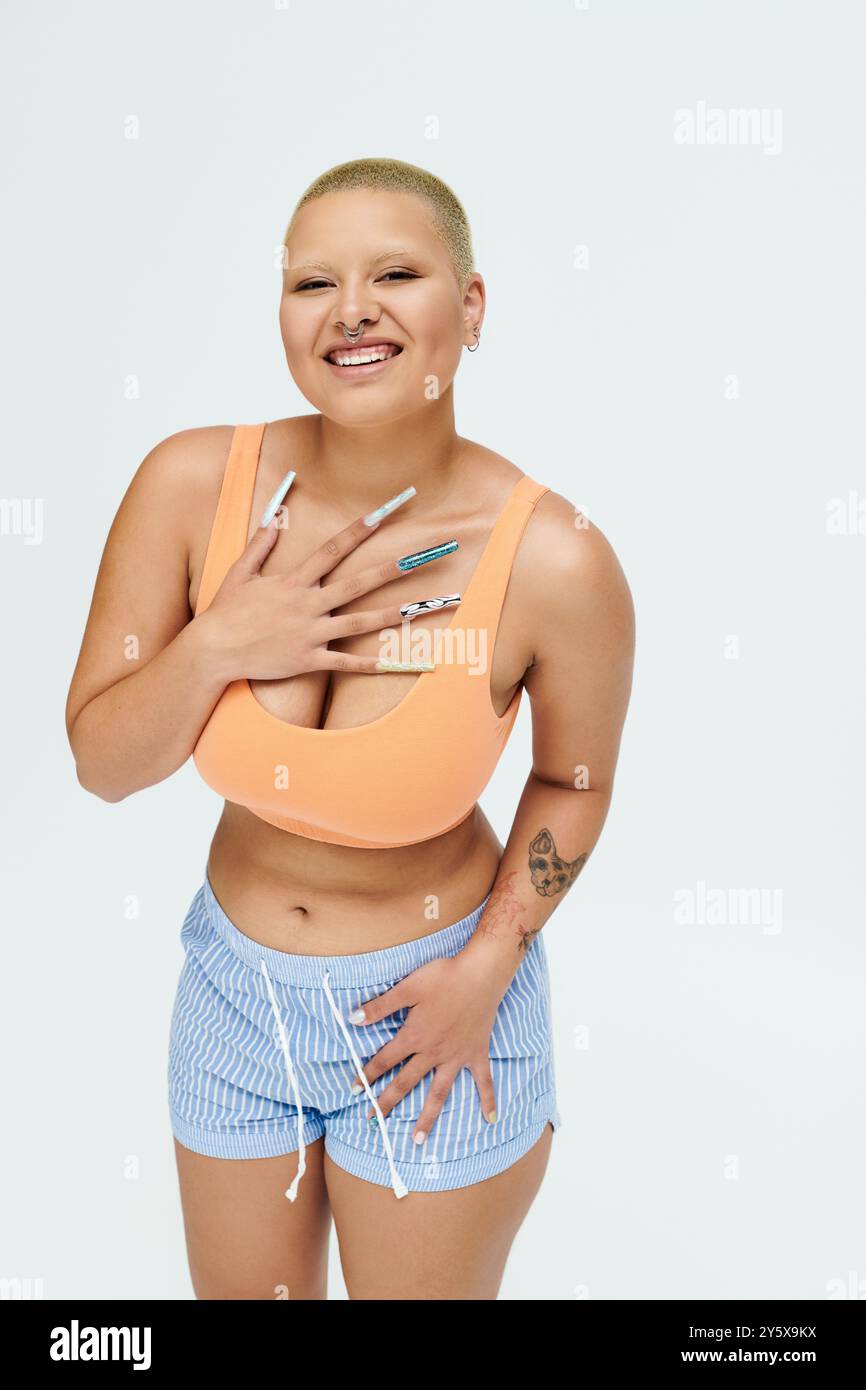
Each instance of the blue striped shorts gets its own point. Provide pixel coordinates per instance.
(261, 1059)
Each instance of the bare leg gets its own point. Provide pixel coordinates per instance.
(432, 1245)
(244, 1238)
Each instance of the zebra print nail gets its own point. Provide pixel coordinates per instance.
(429, 605)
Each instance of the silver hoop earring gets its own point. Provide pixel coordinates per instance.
(477, 331)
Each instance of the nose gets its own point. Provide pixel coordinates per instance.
(355, 303)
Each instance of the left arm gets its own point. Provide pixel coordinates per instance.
(578, 680)
(579, 684)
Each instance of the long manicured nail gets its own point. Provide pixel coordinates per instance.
(357, 1089)
(421, 557)
(419, 1137)
(270, 510)
(357, 1016)
(491, 1117)
(373, 518)
(374, 1121)
(429, 605)
(404, 666)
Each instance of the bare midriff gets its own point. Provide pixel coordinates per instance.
(312, 898)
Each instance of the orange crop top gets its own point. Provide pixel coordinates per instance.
(408, 776)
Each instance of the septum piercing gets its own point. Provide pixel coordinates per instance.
(354, 334)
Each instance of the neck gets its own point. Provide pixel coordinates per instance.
(359, 467)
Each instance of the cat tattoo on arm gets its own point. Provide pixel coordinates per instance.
(550, 874)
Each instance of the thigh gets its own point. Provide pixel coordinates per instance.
(432, 1245)
(244, 1238)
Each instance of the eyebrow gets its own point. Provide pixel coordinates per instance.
(323, 265)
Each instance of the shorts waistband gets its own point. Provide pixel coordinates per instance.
(345, 971)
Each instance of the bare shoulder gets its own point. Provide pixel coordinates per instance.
(186, 467)
(567, 568)
(173, 496)
(175, 479)
(194, 460)
(561, 542)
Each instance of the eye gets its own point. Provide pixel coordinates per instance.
(314, 284)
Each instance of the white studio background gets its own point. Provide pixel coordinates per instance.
(674, 341)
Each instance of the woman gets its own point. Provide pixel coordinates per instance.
(363, 1011)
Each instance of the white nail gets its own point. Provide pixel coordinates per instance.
(373, 518)
(357, 1016)
(270, 510)
(405, 666)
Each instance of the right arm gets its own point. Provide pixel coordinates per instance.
(147, 676)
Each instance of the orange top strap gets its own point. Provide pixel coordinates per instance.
(231, 522)
(487, 586)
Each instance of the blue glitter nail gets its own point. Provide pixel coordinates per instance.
(420, 557)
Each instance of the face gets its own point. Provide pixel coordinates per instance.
(373, 255)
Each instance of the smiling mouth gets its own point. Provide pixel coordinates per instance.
(346, 359)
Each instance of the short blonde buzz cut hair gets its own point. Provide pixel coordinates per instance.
(447, 212)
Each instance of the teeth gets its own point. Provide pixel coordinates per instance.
(367, 355)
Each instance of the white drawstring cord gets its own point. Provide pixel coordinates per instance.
(400, 1188)
(292, 1191)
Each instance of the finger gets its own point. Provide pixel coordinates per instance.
(409, 1076)
(439, 1092)
(398, 1050)
(342, 591)
(350, 624)
(253, 556)
(371, 620)
(325, 660)
(399, 996)
(337, 547)
(484, 1085)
